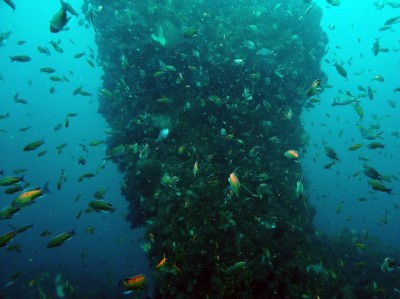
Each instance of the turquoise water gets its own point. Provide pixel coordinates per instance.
(357, 25)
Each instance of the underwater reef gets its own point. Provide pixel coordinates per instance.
(204, 99)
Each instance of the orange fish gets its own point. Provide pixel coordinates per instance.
(162, 263)
(137, 282)
(28, 197)
(235, 185)
(292, 154)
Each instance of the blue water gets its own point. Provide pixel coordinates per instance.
(113, 250)
(356, 28)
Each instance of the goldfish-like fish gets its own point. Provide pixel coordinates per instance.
(234, 182)
(28, 197)
(60, 18)
(292, 154)
(137, 282)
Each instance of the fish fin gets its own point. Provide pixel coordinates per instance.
(45, 188)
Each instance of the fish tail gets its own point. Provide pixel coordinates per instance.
(46, 189)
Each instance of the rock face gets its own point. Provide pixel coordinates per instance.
(227, 81)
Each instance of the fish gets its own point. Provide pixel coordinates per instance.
(370, 93)
(196, 169)
(81, 160)
(13, 189)
(78, 215)
(56, 46)
(91, 63)
(237, 266)
(79, 55)
(61, 180)
(95, 142)
(377, 186)
(161, 263)
(56, 79)
(11, 4)
(8, 211)
(162, 135)
(392, 21)
(376, 47)
(100, 193)
(333, 2)
(101, 206)
(191, 32)
(124, 62)
(105, 93)
(292, 154)
(372, 173)
(313, 88)
(15, 247)
(48, 70)
(24, 129)
(84, 93)
(330, 153)
(359, 110)
(60, 147)
(60, 239)
(355, 146)
(86, 175)
(341, 70)
(24, 228)
(375, 145)
(20, 170)
(41, 153)
(33, 145)
(234, 183)
(137, 282)
(20, 58)
(19, 100)
(4, 239)
(60, 18)
(378, 78)
(11, 180)
(299, 189)
(342, 100)
(28, 197)
(329, 165)
(43, 50)
(45, 233)
(89, 230)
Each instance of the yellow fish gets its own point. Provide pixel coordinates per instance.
(235, 185)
